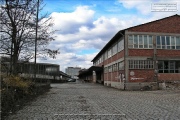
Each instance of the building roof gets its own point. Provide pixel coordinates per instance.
(90, 70)
(64, 74)
(152, 27)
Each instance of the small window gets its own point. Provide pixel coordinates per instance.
(140, 41)
(130, 41)
(145, 41)
(177, 42)
(135, 41)
(150, 42)
(158, 42)
(163, 42)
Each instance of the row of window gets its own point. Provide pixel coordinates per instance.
(169, 66)
(141, 64)
(140, 41)
(146, 41)
(117, 47)
(163, 66)
(167, 42)
(115, 67)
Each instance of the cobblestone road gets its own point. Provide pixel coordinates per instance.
(87, 101)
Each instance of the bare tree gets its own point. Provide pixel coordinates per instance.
(18, 31)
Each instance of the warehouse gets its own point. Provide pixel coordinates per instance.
(143, 55)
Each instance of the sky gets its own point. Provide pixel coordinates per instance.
(84, 27)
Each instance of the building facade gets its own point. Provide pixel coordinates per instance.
(73, 71)
(147, 54)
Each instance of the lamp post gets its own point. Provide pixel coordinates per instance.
(37, 15)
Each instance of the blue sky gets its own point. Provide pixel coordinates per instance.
(85, 26)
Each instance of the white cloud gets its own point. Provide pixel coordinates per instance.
(79, 30)
(69, 22)
(144, 7)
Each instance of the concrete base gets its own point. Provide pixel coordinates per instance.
(118, 85)
(132, 86)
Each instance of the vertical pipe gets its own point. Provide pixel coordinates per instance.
(155, 62)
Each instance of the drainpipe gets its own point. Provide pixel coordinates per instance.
(125, 62)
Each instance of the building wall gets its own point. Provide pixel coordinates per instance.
(167, 25)
(150, 56)
(73, 71)
(162, 54)
(141, 75)
(162, 77)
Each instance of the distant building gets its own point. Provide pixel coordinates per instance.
(73, 71)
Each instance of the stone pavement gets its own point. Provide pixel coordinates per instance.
(88, 101)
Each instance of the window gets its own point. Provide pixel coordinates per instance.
(135, 41)
(150, 42)
(173, 43)
(121, 65)
(105, 55)
(167, 42)
(114, 49)
(168, 45)
(169, 66)
(105, 69)
(120, 45)
(177, 42)
(140, 41)
(110, 68)
(141, 64)
(114, 67)
(130, 41)
(163, 43)
(109, 53)
(145, 41)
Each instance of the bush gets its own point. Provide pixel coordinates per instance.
(16, 91)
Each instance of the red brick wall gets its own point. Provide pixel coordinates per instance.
(141, 52)
(141, 76)
(167, 25)
(114, 58)
(168, 53)
(168, 76)
(105, 76)
(150, 52)
(115, 76)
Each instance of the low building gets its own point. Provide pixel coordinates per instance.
(45, 72)
(73, 71)
(139, 56)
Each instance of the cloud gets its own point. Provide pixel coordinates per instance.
(81, 31)
(68, 23)
(144, 7)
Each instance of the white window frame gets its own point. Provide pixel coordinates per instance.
(141, 64)
(142, 45)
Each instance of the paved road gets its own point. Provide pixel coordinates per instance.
(87, 101)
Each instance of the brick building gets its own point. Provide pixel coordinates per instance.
(139, 56)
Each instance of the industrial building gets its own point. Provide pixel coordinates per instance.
(139, 56)
(45, 72)
(73, 72)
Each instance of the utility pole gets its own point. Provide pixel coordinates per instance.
(155, 62)
(37, 15)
